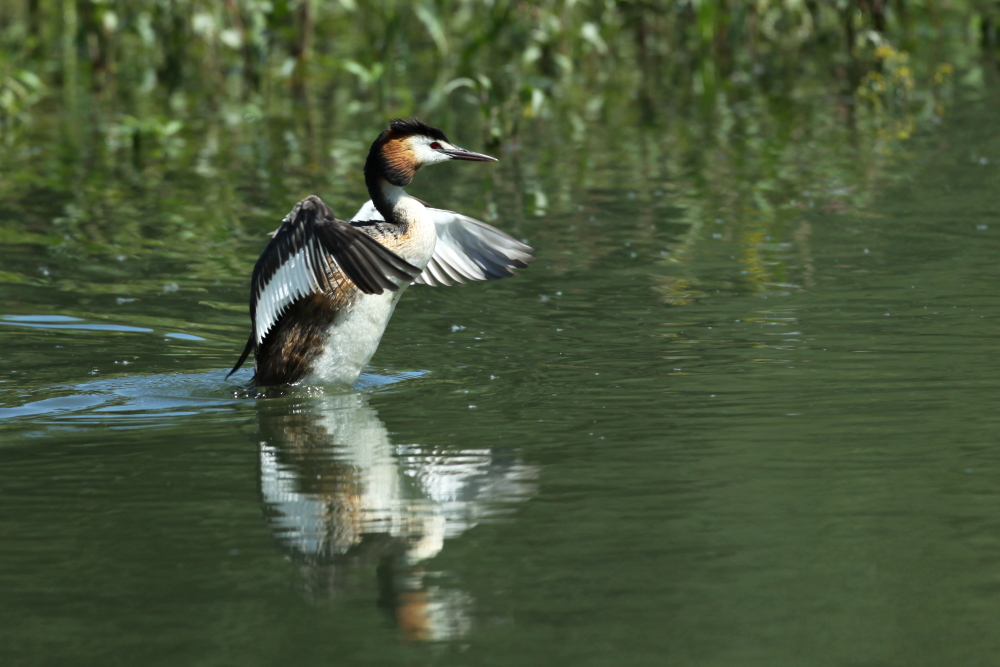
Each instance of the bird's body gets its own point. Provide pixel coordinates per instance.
(323, 290)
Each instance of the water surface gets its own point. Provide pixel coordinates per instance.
(684, 435)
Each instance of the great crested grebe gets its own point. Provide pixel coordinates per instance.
(323, 290)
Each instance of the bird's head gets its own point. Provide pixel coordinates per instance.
(407, 145)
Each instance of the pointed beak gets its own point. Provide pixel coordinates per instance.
(456, 153)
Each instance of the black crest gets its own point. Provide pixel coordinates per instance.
(410, 126)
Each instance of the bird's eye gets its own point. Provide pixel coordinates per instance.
(435, 145)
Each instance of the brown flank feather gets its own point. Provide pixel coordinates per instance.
(288, 351)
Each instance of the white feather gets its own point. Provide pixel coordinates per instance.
(368, 212)
(293, 280)
(466, 248)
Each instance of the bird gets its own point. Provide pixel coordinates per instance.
(324, 289)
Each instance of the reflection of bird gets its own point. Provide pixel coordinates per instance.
(342, 499)
(331, 477)
(323, 289)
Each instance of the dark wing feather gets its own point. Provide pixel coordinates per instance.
(243, 357)
(309, 247)
(368, 264)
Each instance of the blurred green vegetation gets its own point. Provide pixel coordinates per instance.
(185, 128)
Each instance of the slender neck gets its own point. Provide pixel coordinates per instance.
(385, 196)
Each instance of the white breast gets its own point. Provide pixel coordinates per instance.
(355, 334)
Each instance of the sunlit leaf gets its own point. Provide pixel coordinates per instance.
(434, 27)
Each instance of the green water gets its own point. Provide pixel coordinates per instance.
(688, 434)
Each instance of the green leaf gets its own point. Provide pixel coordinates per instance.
(434, 27)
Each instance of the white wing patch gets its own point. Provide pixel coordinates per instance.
(296, 278)
(368, 212)
(466, 248)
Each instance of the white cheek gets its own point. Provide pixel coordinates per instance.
(424, 155)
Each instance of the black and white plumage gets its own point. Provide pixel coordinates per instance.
(323, 290)
(310, 254)
(466, 249)
(304, 255)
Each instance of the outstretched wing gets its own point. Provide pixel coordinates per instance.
(466, 249)
(310, 248)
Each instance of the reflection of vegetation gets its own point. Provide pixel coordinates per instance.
(150, 126)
